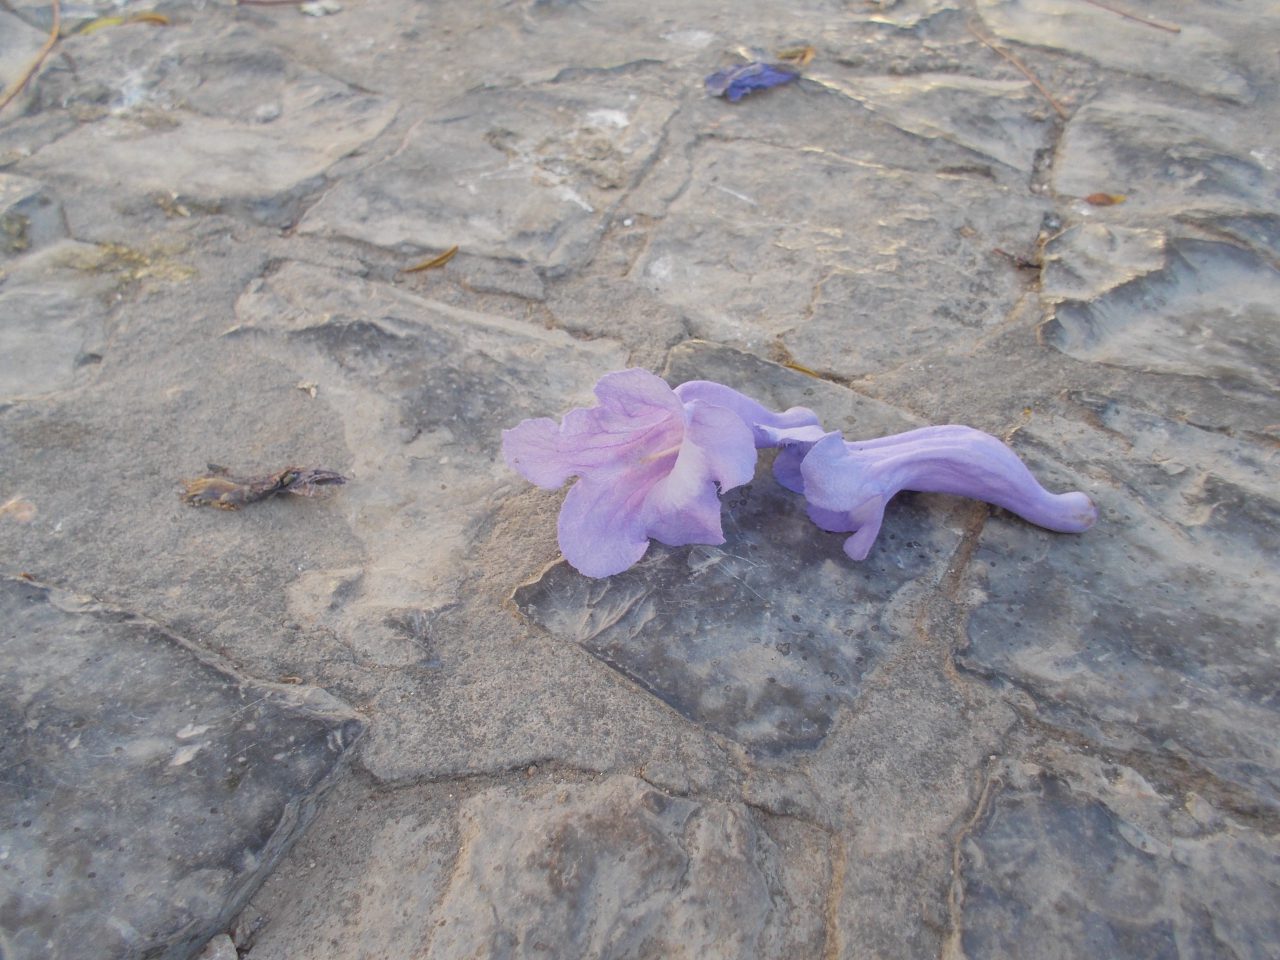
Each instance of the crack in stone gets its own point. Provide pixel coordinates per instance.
(953, 948)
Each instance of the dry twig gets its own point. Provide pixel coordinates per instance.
(34, 65)
(436, 261)
(1023, 69)
(1171, 28)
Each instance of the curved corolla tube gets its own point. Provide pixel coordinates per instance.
(848, 484)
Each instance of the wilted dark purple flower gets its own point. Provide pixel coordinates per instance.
(736, 82)
(648, 461)
(848, 485)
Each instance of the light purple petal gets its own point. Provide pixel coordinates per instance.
(753, 414)
(833, 480)
(636, 394)
(724, 443)
(600, 529)
(683, 506)
(638, 421)
(795, 443)
(678, 515)
(864, 538)
(786, 468)
(532, 449)
(832, 521)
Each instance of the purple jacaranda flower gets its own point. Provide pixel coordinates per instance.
(847, 485)
(649, 463)
(736, 82)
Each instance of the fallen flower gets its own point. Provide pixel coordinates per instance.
(848, 485)
(735, 83)
(648, 460)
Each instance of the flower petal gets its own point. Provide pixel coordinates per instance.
(601, 528)
(859, 545)
(725, 443)
(532, 449)
(684, 506)
(832, 521)
(833, 480)
(758, 417)
(786, 468)
(637, 421)
(678, 517)
(636, 393)
(795, 443)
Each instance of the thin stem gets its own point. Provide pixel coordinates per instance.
(1023, 69)
(1171, 28)
(39, 58)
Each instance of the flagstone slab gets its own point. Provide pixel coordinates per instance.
(1155, 631)
(207, 119)
(1195, 56)
(30, 216)
(527, 174)
(1096, 862)
(754, 257)
(56, 308)
(1210, 310)
(147, 790)
(1167, 159)
(619, 869)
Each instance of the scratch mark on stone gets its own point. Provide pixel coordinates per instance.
(734, 193)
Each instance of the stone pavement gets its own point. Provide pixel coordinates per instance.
(387, 723)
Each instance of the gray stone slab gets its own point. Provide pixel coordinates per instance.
(19, 44)
(364, 880)
(1006, 121)
(30, 215)
(619, 869)
(1210, 311)
(1154, 632)
(1166, 158)
(765, 639)
(212, 119)
(146, 791)
(524, 174)
(56, 309)
(753, 257)
(426, 389)
(1087, 260)
(1103, 865)
(1196, 57)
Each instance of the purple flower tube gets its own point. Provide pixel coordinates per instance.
(848, 485)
